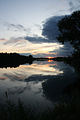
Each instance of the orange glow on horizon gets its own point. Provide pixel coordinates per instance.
(50, 57)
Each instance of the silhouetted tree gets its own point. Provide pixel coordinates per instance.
(69, 28)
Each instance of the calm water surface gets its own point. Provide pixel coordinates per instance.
(39, 85)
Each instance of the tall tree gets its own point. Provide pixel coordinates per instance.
(69, 28)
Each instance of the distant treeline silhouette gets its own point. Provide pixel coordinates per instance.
(14, 59)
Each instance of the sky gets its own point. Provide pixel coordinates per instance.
(22, 24)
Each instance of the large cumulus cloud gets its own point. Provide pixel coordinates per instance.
(51, 32)
(50, 28)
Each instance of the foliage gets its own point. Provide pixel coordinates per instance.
(69, 28)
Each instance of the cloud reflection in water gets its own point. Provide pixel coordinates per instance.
(25, 82)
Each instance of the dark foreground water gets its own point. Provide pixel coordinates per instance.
(38, 86)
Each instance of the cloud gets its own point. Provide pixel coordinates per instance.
(67, 50)
(13, 40)
(50, 29)
(74, 5)
(38, 26)
(39, 45)
(17, 27)
(2, 39)
(33, 39)
(36, 39)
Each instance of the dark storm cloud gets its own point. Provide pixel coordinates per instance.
(50, 28)
(51, 31)
(36, 39)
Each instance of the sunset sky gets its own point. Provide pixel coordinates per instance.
(22, 25)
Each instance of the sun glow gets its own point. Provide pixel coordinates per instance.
(50, 60)
(50, 57)
(24, 46)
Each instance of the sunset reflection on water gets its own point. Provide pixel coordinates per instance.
(35, 69)
(26, 82)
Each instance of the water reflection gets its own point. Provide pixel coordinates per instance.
(50, 61)
(25, 71)
(38, 84)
